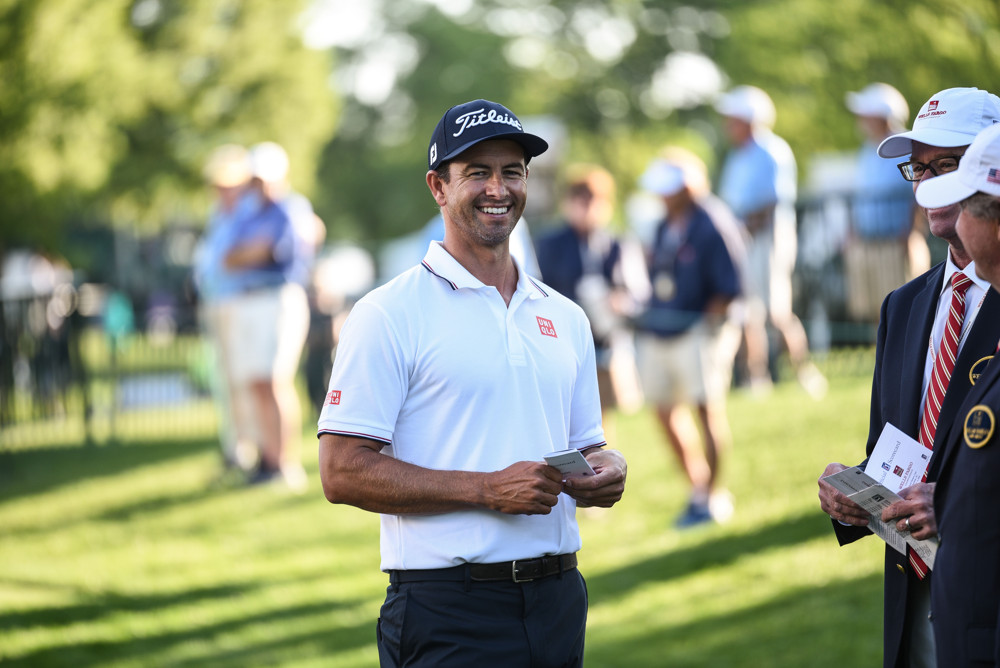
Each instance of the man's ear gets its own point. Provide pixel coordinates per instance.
(436, 186)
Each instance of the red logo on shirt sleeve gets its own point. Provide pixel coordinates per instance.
(546, 327)
(333, 397)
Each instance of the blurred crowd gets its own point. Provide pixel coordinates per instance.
(678, 318)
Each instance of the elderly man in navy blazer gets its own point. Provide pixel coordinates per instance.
(911, 327)
(965, 592)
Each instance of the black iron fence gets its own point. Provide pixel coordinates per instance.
(74, 369)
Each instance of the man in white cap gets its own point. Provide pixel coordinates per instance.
(924, 363)
(686, 340)
(451, 383)
(883, 249)
(273, 253)
(965, 591)
(759, 183)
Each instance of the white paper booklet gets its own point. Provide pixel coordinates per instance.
(896, 462)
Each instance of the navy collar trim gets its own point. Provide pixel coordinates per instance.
(537, 286)
(428, 267)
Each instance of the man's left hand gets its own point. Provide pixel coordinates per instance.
(915, 513)
(605, 488)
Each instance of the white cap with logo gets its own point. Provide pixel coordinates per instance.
(950, 118)
(979, 171)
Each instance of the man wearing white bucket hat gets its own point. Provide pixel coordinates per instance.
(913, 387)
(883, 249)
(965, 593)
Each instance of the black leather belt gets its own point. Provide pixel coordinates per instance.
(519, 570)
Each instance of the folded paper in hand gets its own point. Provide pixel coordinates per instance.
(896, 462)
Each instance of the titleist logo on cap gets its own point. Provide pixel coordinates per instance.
(465, 125)
(473, 118)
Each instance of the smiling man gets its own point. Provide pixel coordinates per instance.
(451, 383)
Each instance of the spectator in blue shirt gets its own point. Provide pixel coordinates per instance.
(228, 172)
(883, 250)
(758, 181)
(273, 256)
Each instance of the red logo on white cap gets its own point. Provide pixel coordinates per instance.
(546, 327)
(932, 105)
(333, 397)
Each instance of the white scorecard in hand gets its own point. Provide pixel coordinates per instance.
(569, 462)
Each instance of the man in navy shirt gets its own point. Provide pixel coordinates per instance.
(583, 260)
(687, 341)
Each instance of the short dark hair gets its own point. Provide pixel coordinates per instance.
(983, 205)
(444, 171)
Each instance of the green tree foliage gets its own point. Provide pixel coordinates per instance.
(809, 54)
(373, 170)
(110, 108)
(628, 76)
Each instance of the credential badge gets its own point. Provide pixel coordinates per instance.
(979, 426)
(664, 287)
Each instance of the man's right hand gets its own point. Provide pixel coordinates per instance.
(524, 488)
(838, 506)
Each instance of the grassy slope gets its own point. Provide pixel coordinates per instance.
(129, 555)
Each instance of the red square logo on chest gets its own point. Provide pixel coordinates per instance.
(546, 327)
(333, 397)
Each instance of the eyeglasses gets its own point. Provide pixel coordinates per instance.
(914, 171)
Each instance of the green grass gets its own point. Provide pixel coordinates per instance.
(131, 555)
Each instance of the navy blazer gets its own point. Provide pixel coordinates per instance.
(965, 591)
(904, 330)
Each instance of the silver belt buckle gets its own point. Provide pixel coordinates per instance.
(514, 573)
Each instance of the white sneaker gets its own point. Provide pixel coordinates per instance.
(295, 478)
(721, 505)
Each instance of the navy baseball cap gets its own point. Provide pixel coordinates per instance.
(465, 125)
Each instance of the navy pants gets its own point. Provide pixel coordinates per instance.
(537, 624)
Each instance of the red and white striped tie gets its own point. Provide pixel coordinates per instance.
(944, 364)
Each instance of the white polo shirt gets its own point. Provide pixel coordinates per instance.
(437, 367)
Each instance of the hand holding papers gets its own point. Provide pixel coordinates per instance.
(897, 462)
(569, 462)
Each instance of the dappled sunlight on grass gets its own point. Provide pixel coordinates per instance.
(116, 554)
